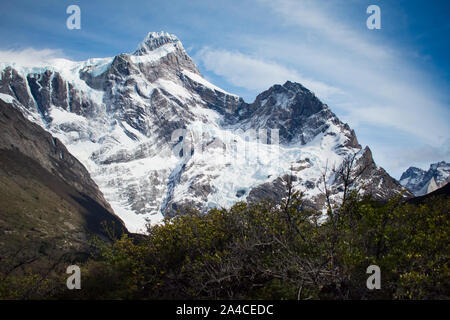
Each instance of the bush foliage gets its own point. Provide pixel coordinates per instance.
(270, 251)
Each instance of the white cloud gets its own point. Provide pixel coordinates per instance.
(30, 57)
(256, 74)
(421, 156)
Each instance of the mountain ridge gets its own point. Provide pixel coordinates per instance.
(422, 182)
(156, 136)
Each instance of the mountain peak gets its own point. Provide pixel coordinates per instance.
(421, 182)
(290, 85)
(412, 171)
(155, 40)
(440, 164)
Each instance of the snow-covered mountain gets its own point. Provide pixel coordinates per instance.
(421, 182)
(156, 136)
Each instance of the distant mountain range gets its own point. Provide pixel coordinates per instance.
(422, 182)
(155, 136)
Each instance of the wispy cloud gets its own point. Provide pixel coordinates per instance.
(420, 156)
(255, 74)
(30, 57)
(318, 16)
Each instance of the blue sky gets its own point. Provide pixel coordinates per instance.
(390, 85)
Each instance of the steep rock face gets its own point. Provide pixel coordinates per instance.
(156, 136)
(13, 84)
(422, 182)
(292, 109)
(48, 198)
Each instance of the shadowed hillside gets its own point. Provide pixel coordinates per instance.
(49, 203)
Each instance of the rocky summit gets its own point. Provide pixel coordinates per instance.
(156, 136)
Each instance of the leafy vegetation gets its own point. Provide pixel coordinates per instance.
(270, 251)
